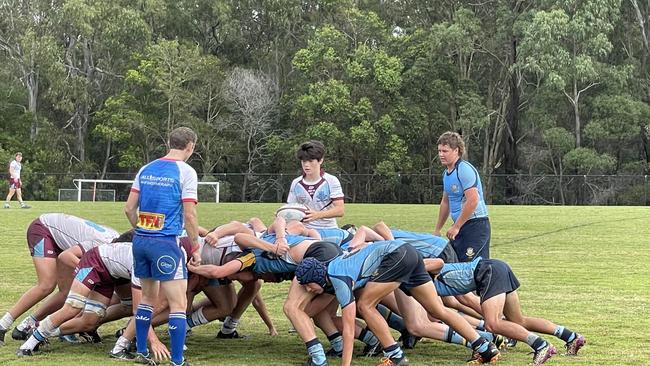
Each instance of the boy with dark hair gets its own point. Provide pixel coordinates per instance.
(319, 191)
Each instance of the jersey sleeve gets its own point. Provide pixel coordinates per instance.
(467, 176)
(336, 191)
(291, 198)
(343, 289)
(135, 187)
(189, 184)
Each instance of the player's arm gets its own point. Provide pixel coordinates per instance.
(337, 210)
(433, 265)
(443, 214)
(246, 241)
(131, 208)
(70, 257)
(260, 307)
(191, 225)
(212, 271)
(349, 325)
(383, 230)
(471, 201)
(12, 171)
(231, 228)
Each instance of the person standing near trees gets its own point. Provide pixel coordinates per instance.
(470, 233)
(161, 203)
(15, 184)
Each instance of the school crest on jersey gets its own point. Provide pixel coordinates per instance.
(454, 188)
(470, 253)
(322, 196)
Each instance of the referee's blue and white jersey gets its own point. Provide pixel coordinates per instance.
(463, 177)
(164, 185)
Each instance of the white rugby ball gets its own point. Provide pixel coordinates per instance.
(292, 212)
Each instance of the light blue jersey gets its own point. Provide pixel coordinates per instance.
(292, 240)
(353, 270)
(456, 278)
(335, 235)
(163, 185)
(463, 177)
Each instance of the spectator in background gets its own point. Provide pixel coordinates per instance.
(15, 183)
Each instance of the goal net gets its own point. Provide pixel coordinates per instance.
(99, 190)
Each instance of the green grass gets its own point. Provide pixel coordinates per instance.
(583, 267)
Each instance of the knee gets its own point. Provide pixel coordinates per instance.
(289, 308)
(492, 326)
(46, 287)
(364, 308)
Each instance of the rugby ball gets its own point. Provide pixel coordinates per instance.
(292, 212)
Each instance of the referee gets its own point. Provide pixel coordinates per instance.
(161, 202)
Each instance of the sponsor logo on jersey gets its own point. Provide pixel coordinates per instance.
(151, 221)
(166, 264)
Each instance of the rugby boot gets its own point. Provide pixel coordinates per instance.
(24, 205)
(574, 346)
(19, 335)
(144, 359)
(490, 356)
(233, 335)
(371, 350)
(310, 362)
(544, 354)
(91, 337)
(121, 355)
(334, 353)
(184, 363)
(386, 361)
(2, 336)
(24, 352)
(408, 340)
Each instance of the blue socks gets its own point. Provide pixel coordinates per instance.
(177, 329)
(316, 351)
(480, 344)
(393, 352)
(142, 323)
(394, 321)
(564, 334)
(336, 340)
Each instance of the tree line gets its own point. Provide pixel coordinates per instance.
(548, 87)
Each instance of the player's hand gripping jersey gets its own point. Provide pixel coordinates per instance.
(160, 184)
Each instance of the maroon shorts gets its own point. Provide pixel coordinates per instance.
(92, 272)
(15, 183)
(40, 241)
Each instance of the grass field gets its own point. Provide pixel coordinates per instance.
(583, 267)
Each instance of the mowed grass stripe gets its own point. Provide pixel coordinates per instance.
(583, 267)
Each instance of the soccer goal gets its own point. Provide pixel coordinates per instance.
(95, 187)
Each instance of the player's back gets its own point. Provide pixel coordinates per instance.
(456, 278)
(160, 185)
(69, 230)
(360, 266)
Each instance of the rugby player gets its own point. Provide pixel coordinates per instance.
(49, 237)
(497, 287)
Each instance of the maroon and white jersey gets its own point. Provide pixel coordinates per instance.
(319, 196)
(216, 255)
(15, 167)
(68, 231)
(118, 259)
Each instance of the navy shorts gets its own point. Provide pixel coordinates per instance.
(473, 240)
(494, 277)
(159, 257)
(448, 255)
(404, 265)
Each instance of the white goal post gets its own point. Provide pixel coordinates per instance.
(79, 182)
